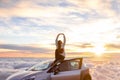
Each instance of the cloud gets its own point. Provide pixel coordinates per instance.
(115, 5)
(113, 46)
(34, 30)
(86, 45)
(8, 3)
(30, 9)
(52, 8)
(50, 12)
(100, 7)
(2, 41)
(39, 21)
(81, 45)
(24, 48)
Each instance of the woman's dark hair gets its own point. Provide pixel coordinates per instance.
(59, 42)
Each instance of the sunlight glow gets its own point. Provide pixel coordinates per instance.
(98, 49)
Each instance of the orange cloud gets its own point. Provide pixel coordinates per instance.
(14, 54)
(32, 9)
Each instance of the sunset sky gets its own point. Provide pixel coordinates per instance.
(28, 28)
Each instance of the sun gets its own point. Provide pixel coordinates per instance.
(98, 49)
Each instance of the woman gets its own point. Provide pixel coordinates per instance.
(60, 52)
